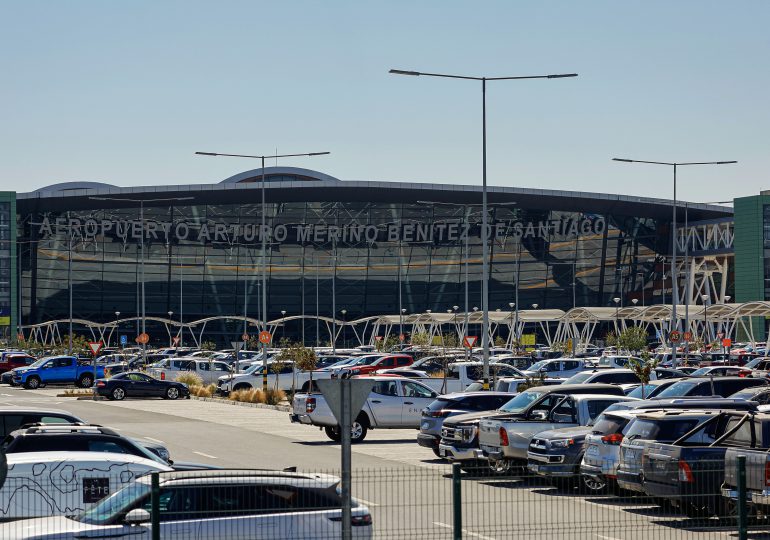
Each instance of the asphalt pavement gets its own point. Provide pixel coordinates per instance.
(407, 489)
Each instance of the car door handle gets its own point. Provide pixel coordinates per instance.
(408, 402)
(376, 401)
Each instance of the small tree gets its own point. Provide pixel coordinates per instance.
(420, 339)
(208, 346)
(304, 359)
(633, 339)
(563, 347)
(611, 339)
(450, 340)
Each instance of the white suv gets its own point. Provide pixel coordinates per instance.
(211, 504)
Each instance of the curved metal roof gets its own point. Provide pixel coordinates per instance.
(300, 174)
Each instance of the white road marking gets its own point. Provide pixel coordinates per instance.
(465, 531)
(367, 503)
(205, 455)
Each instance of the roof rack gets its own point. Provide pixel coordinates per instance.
(68, 428)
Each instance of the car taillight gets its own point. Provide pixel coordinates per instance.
(101, 383)
(767, 473)
(615, 438)
(503, 437)
(310, 405)
(437, 414)
(685, 473)
(162, 375)
(355, 521)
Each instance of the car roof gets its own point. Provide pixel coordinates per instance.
(582, 397)
(681, 413)
(460, 395)
(32, 410)
(574, 388)
(70, 457)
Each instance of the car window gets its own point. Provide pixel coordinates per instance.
(221, 366)
(106, 446)
(742, 437)
(179, 503)
(415, 390)
(597, 406)
(565, 412)
(660, 430)
(386, 388)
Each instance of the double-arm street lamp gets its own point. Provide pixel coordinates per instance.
(674, 292)
(263, 235)
(484, 227)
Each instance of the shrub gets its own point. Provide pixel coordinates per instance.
(190, 379)
(274, 396)
(203, 391)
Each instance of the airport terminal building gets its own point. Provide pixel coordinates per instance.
(375, 246)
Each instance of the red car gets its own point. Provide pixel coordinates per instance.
(386, 362)
(12, 360)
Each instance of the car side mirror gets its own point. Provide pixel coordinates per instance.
(539, 415)
(137, 516)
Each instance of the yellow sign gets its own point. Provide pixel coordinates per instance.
(5, 321)
(528, 339)
(569, 345)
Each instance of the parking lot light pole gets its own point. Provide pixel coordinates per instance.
(674, 324)
(484, 218)
(706, 332)
(141, 221)
(263, 239)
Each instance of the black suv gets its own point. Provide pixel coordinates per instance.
(710, 386)
(73, 438)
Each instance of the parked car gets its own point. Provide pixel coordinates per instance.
(460, 375)
(721, 371)
(505, 441)
(393, 403)
(604, 375)
(388, 361)
(56, 370)
(555, 368)
(750, 438)
(460, 434)
(137, 384)
(449, 405)
(689, 472)
(710, 386)
(14, 359)
(46, 484)
(651, 389)
(511, 384)
(758, 394)
(270, 505)
(209, 371)
(662, 426)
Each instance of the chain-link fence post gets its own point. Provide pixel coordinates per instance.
(457, 502)
(155, 505)
(742, 528)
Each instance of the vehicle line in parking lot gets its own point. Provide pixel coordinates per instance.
(465, 531)
(205, 455)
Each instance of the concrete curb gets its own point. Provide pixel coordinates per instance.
(282, 408)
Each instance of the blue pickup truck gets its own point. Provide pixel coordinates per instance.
(57, 370)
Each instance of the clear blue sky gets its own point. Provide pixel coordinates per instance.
(125, 92)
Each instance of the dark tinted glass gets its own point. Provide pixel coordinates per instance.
(607, 425)
(660, 430)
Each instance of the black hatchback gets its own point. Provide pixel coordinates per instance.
(136, 384)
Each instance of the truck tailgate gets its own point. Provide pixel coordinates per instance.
(756, 476)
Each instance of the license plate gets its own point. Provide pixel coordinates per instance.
(630, 454)
(442, 452)
(592, 451)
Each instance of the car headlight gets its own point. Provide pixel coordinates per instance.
(163, 453)
(469, 433)
(562, 443)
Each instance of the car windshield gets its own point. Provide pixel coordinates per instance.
(754, 363)
(109, 510)
(660, 430)
(682, 388)
(640, 392)
(38, 363)
(701, 371)
(520, 402)
(579, 378)
(368, 361)
(537, 366)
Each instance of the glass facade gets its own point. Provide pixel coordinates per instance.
(203, 259)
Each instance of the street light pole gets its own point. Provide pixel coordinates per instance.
(484, 218)
(706, 332)
(263, 240)
(674, 288)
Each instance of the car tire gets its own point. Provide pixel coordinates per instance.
(593, 486)
(118, 394)
(241, 386)
(359, 429)
(86, 381)
(333, 433)
(32, 383)
(172, 393)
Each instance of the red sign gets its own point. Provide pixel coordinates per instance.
(245, 337)
(378, 338)
(143, 338)
(176, 340)
(674, 336)
(727, 342)
(470, 341)
(95, 347)
(265, 337)
(687, 336)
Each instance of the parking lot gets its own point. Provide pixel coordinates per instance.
(405, 486)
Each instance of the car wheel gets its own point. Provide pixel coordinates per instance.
(172, 393)
(333, 433)
(242, 386)
(118, 394)
(499, 467)
(33, 383)
(593, 485)
(358, 430)
(85, 381)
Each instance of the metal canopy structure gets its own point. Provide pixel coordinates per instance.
(578, 324)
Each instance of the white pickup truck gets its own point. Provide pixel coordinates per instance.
(208, 370)
(394, 403)
(504, 440)
(286, 378)
(460, 375)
